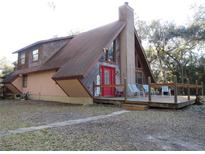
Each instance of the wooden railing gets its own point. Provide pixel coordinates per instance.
(179, 85)
(123, 86)
(176, 86)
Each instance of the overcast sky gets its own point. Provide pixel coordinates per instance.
(26, 21)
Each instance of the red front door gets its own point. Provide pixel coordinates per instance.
(108, 79)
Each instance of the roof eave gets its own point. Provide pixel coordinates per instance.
(42, 42)
(68, 77)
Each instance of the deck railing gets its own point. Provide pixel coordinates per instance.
(176, 86)
(123, 87)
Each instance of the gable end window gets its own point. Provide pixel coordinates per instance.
(110, 53)
(35, 55)
(22, 58)
(139, 77)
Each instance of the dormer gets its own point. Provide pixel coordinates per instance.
(37, 53)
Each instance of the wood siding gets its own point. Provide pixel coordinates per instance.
(46, 50)
(141, 68)
(73, 88)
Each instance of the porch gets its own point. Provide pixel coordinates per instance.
(157, 101)
(150, 99)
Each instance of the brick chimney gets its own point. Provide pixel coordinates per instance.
(127, 43)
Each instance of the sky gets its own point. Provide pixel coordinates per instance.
(26, 21)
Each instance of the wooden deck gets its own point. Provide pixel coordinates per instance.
(157, 101)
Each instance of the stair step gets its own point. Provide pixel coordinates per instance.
(136, 103)
(135, 107)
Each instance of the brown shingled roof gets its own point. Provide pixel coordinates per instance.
(77, 56)
(10, 77)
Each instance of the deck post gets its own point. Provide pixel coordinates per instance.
(175, 89)
(149, 90)
(125, 88)
(93, 89)
(202, 88)
(188, 88)
(197, 90)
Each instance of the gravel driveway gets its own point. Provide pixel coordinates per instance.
(137, 130)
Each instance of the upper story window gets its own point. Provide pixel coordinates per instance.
(35, 55)
(110, 54)
(22, 58)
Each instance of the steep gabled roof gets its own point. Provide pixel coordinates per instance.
(77, 56)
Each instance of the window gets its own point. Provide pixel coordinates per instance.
(139, 77)
(24, 81)
(22, 58)
(35, 55)
(106, 77)
(111, 53)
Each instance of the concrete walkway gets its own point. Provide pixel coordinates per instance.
(60, 124)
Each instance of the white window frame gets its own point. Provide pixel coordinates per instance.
(35, 56)
(107, 77)
(22, 58)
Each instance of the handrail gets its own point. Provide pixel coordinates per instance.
(172, 84)
(110, 86)
(124, 88)
(176, 85)
(162, 84)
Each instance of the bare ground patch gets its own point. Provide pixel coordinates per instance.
(18, 114)
(137, 130)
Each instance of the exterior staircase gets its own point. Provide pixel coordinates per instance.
(135, 106)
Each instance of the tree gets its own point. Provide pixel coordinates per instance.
(199, 22)
(5, 67)
(159, 38)
(171, 49)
